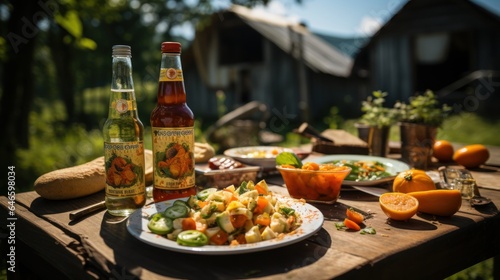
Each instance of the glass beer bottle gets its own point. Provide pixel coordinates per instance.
(123, 135)
(172, 123)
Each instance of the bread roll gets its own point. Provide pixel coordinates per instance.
(203, 152)
(81, 180)
(72, 182)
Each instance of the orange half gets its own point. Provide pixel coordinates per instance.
(398, 206)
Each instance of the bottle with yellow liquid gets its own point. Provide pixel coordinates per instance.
(123, 135)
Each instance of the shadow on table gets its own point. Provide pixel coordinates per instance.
(126, 248)
(42, 206)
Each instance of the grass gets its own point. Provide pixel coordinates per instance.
(466, 128)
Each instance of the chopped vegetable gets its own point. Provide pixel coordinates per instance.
(176, 211)
(203, 194)
(160, 224)
(368, 230)
(364, 170)
(288, 158)
(354, 216)
(351, 224)
(192, 238)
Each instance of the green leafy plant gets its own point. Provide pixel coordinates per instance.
(375, 114)
(423, 109)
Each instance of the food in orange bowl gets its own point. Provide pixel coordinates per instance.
(314, 182)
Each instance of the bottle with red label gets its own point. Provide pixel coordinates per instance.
(123, 135)
(172, 124)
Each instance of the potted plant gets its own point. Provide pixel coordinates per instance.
(419, 121)
(378, 119)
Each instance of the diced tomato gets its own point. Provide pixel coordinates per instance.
(260, 190)
(261, 205)
(240, 238)
(188, 223)
(238, 220)
(220, 238)
(263, 220)
(354, 216)
(351, 224)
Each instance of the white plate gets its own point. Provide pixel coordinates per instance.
(137, 225)
(264, 156)
(392, 166)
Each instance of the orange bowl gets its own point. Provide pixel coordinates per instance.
(314, 185)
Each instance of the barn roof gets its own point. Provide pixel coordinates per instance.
(317, 53)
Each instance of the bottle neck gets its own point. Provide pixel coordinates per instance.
(122, 102)
(171, 89)
(122, 73)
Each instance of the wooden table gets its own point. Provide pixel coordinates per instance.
(47, 243)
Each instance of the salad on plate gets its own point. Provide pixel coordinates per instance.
(246, 214)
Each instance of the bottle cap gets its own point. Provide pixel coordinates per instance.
(170, 47)
(123, 50)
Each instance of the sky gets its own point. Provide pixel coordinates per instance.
(346, 18)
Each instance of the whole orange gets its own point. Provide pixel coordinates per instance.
(443, 150)
(413, 180)
(472, 155)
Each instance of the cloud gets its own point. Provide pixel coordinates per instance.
(369, 25)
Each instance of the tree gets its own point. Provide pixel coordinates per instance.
(79, 35)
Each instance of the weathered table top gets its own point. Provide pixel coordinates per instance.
(99, 246)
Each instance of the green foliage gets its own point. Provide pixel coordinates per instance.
(470, 128)
(375, 114)
(334, 120)
(53, 145)
(221, 103)
(482, 270)
(424, 109)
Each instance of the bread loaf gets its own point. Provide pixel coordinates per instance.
(81, 180)
(203, 152)
(72, 182)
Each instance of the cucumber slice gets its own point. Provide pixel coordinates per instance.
(203, 194)
(223, 220)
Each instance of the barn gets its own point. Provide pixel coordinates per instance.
(251, 57)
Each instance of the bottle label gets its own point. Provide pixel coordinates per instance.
(125, 165)
(122, 105)
(171, 75)
(173, 158)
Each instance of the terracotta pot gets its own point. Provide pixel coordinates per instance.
(363, 131)
(416, 144)
(378, 141)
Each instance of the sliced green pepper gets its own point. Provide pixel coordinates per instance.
(160, 224)
(192, 238)
(181, 202)
(176, 211)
